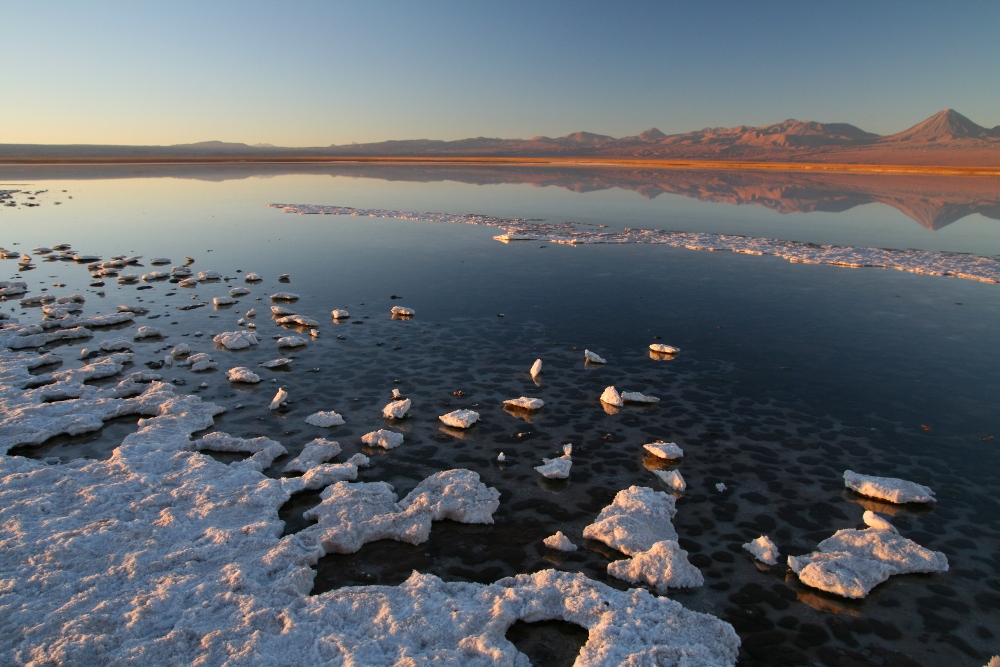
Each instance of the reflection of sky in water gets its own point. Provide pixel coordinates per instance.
(788, 373)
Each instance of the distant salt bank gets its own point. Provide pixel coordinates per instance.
(954, 265)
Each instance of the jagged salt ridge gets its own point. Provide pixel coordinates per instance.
(957, 265)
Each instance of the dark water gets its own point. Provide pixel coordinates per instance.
(788, 375)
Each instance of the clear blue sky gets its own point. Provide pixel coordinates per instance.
(315, 73)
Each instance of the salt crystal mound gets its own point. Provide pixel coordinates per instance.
(200, 362)
(351, 515)
(242, 374)
(236, 340)
(322, 475)
(764, 550)
(299, 320)
(638, 518)
(994, 662)
(15, 288)
(956, 265)
(315, 452)
(263, 450)
(116, 345)
(284, 296)
(339, 314)
(559, 542)
(460, 418)
(536, 368)
(280, 311)
(852, 562)
(402, 311)
(180, 350)
(223, 300)
(396, 409)
(205, 276)
(525, 403)
(383, 438)
(593, 357)
(638, 397)
(888, 488)
(612, 397)
(325, 419)
(877, 522)
(155, 275)
(557, 468)
(663, 566)
(253, 278)
(292, 341)
(276, 363)
(720, 487)
(280, 398)
(238, 291)
(146, 331)
(664, 450)
(664, 349)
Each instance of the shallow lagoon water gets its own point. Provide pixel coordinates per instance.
(788, 375)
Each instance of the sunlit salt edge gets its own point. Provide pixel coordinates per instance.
(161, 555)
(956, 265)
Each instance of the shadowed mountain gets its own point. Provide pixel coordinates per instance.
(946, 125)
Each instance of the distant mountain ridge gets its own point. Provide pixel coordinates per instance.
(947, 139)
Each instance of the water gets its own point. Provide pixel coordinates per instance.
(788, 375)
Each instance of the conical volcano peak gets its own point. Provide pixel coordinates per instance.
(652, 134)
(945, 125)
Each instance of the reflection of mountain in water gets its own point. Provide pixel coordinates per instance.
(933, 201)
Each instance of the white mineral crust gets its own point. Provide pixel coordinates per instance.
(460, 418)
(242, 374)
(292, 341)
(116, 345)
(281, 311)
(852, 562)
(402, 311)
(396, 409)
(253, 278)
(593, 357)
(664, 349)
(263, 450)
(536, 368)
(205, 276)
(525, 403)
(325, 419)
(299, 320)
(315, 452)
(383, 438)
(664, 450)
(878, 522)
(637, 397)
(557, 468)
(638, 518)
(764, 550)
(665, 565)
(888, 488)
(559, 542)
(276, 363)
(223, 300)
(236, 340)
(612, 397)
(146, 331)
(284, 296)
(280, 398)
(340, 314)
(238, 291)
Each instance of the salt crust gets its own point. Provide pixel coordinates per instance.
(638, 518)
(315, 452)
(873, 520)
(339, 314)
(525, 403)
(536, 368)
(223, 300)
(253, 278)
(280, 398)
(663, 566)
(383, 438)
(263, 450)
(957, 265)
(612, 397)
(664, 349)
(764, 550)
(236, 340)
(673, 479)
(325, 474)
(275, 363)
(559, 542)
(238, 291)
(852, 562)
(593, 357)
(146, 332)
(664, 450)
(299, 320)
(325, 419)
(460, 418)
(292, 341)
(242, 374)
(199, 362)
(396, 409)
(205, 276)
(994, 661)
(284, 296)
(115, 345)
(888, 488)
(402, 311)
(281, 311)
(638, 397)
(557, 468)
(181, 546)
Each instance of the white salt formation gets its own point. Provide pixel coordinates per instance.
(665, 565)
(888, 488)
(525, 403)
(664, 349)
(877, 522)
(593, 357)
(276, 363)
(206, 276)
(281, 311)
(637, 397)
(279, 399)
(325, 419)
(402, 311)
(536, 368)
(187, 282)
(383, 438)
(852, 562)
(664, 450)
(612, 397)
(200, 362)
(116, 345)
(155, 275)
(238, 291)
(284, 296)
(764, 550)
(325, 474)
(557, 468)
(638, 518)
(242, 374)
(263, 450)
(720, 487)
(180, 350)
(299, 320)
(253, 278)
(292, 341)
(223, 300)
(673, 479)
(460, 418)
(156, 261)
(251, 313)
(145, 331)
(559, 542)
(501, 458)
(236, 340)
(315, 452)
(340, 314)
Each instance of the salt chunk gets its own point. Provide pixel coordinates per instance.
(279, 399)
(536, 368)
(236, 340)
(156, 261)
(299, 320)
(525, 403)
(383, 438)
(764, 550)
(672, 478)
(238, 291)
(637, 397)
(664, 450)
(360, 460)
(292, 341)
(460, 418)
(281, 311)
(223, 301)
(593, 357)
(187, 282)
(638, 518)
(396, 395)
(340, 314)
(155, 275)
(720, 487)
(147, 332)
(888, 488)
(251, 313)
(180, 350)
(115, 345)
(664, 349)
(612, 397)
(284, 296)
(315, 452)
(275, 363)
(877, 522)
(253, 277)
(325, 419)
(501, 458)
(396, 409)
(557, 468)
(205, 276)
(402, 311)
(242, 374)
(665, 565)
(559, 542)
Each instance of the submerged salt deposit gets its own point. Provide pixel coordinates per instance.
(888, 488)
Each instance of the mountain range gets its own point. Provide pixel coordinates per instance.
(947, 139)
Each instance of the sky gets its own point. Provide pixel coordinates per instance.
(298, 73)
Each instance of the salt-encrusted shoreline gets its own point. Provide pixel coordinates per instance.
(956, 265)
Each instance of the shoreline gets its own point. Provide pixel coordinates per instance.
(665, 165)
